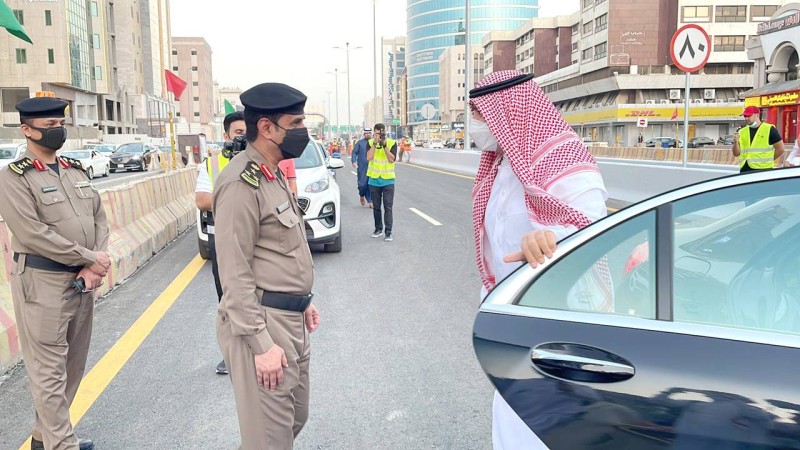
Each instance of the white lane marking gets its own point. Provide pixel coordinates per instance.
(353, 173)
(425, 216)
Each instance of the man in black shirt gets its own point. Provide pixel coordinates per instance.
(754, 141)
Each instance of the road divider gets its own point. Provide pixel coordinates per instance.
(143, 217)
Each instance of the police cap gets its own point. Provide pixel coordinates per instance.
(273, 98)
(39, 107)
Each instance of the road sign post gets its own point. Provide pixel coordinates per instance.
(690, 49)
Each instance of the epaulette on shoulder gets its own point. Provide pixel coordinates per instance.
(21, 166)
(252, 174)
(73, 163)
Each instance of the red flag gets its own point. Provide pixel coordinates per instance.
(175, 84)
(674, 113)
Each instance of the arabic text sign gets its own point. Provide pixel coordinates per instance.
(786, 98)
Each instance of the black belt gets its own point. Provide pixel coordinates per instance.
(40, 262)
(287, 302)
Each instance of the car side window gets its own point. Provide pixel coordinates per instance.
(737, 257)
(611, 274)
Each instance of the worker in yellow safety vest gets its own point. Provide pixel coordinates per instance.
(381, 156)
(759, 144)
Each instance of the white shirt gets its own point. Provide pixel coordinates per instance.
(794, 156)
(506, 222)
(203, 180)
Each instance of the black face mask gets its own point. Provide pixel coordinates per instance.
(52, 138)
(294, 142)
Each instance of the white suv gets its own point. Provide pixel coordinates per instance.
(318, 197)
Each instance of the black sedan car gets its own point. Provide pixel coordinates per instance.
(672, 324)
(727, 139)
(134, 156)
(698, 142)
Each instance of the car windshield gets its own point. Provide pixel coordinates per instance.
(8, 152)
(77, 155)
(131, 148)
(309, 158)
(106, 149)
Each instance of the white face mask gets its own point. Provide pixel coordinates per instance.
(482, 135)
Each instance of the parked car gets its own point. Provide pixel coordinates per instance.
(634, 333)
(451, 143)
(436, 143)
(10, 153)
(727, 139)
(133, 156)
(319, 198)
(93, 162)
(659, 142)
(699, 142)
(420, 143)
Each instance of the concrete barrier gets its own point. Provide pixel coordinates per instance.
(143, 217)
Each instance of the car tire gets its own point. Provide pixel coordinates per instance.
(112, 170)
(205, 251)
(335, 246)
(90, 173)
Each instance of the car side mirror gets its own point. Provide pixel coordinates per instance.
(335, 163)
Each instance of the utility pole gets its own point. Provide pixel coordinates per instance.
(335, 74)
(468, 84)
(374, 64)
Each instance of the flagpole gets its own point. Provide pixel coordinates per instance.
(172, 135)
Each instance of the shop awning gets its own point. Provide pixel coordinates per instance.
(773, 88)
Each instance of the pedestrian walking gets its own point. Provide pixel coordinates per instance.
(759, 144)
(381, 178)
(361, 163)
(405, 148)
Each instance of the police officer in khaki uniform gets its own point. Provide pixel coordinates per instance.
(266, 271)
(60, 237)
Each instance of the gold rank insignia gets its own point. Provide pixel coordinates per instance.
(21, 166)
(252, 175)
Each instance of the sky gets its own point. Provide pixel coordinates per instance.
(256, 41)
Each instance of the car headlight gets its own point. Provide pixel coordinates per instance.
(136, 157)
(319, 185)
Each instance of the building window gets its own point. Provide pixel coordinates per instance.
(98, 72)
(195, 83)
(48, 18)
(574, 29)
(587, 3)
(174, 68)
(574, 46)
(22, 56)
(600, 50)
(197, 99)
(695, 12)
(174, 52)
(194, 68)
(587, 54)
(731, 14)
(93, 8)
(587, 28)
(20, 16)
(194, 52)
(197, 114)
(51, 56)
(96, 40)
(729, 43)
(762, 11)
(601, 23)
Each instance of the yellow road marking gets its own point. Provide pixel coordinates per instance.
(101, 375)
(439, 171)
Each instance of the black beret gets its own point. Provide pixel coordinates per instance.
(38, 107)
(273, 98)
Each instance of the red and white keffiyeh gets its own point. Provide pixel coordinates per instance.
(542, 149)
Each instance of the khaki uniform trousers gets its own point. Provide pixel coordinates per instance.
(269, 419)
(55, 336)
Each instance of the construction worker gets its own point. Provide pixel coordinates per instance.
(759, 145)
(405, 148)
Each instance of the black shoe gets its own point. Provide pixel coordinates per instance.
(83, 444)
(377, 233)
(389, 237)
(221, 369)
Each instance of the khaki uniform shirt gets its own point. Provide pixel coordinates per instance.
(55, 215)
(261, 244)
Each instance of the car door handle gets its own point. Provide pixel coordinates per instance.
(580, 368)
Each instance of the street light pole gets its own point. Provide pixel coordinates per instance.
(468, 84)
(374, 64)
(335, 74)
(349, 108)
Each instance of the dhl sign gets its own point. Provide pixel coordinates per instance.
(631, 113)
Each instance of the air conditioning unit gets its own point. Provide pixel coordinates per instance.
(664, 101)
(649, 102)
(674, 94)
(697, 100)
(709, 94)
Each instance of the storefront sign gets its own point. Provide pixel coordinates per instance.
(457, 125)
(784, 98)
(779, 24)
(631, 113)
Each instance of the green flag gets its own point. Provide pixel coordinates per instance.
(10, 23)
(229, 109)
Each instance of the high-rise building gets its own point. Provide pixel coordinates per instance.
(452, 86)
(394, 61)
(434, 25)
(621, 70)
(151, 105)
(191, 60)
(498, 51)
